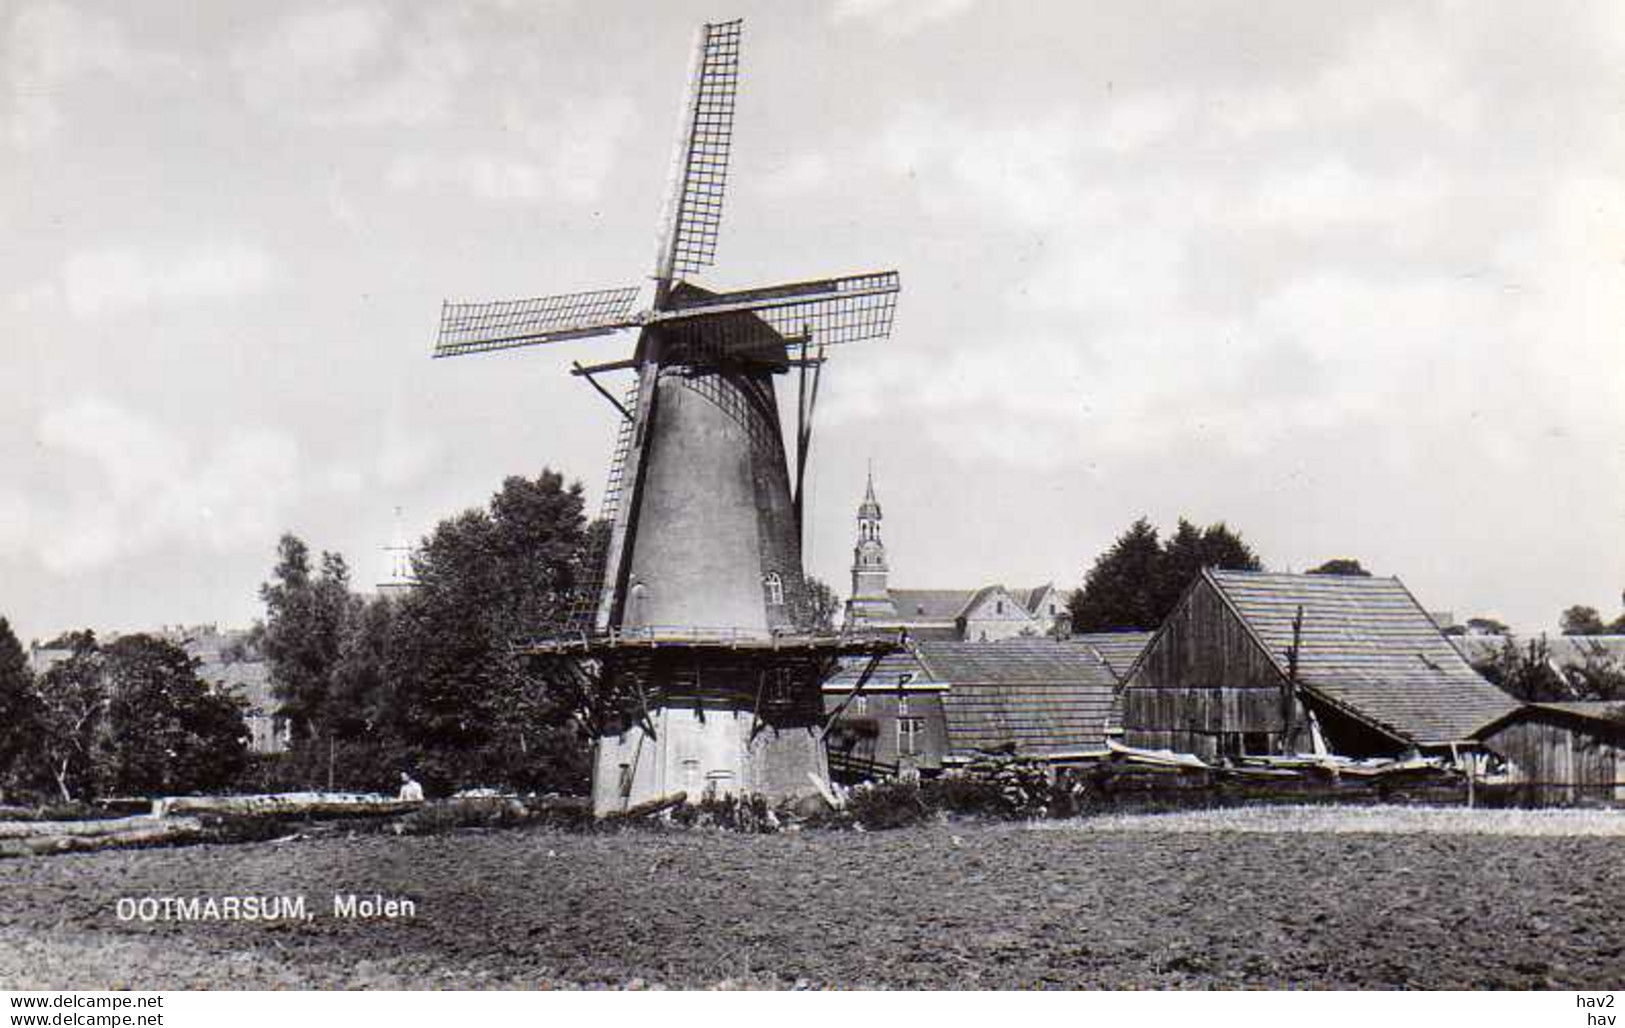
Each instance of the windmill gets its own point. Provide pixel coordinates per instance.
(690, 642)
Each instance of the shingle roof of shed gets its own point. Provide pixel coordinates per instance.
(1369, 647)
(1596, 710)
(1598, 713)
(1120, 649)
(1044, 696)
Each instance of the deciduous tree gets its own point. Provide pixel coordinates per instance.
(166, 730)
(1122, 589)
(19, 713)
(72, 702)
(305, 624)
(1138, 581)
(1579, 620)
(464, 705)
(823, 606)
(1340, 566)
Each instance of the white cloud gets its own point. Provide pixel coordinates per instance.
(794, 175)
(565, 154)
(50, 46)
(897, 17)
(123, 485)
(355, 65)
(404, 458)
(110, 279)
(1396, 65)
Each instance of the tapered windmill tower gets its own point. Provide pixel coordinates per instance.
(691, 647)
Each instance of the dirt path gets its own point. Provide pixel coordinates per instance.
(961, 906)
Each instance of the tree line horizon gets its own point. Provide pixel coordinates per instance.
(428, 681)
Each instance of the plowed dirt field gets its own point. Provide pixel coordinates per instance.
(1129, 904)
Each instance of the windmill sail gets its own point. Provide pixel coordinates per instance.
(503, 324)
(700, 171)
(825, 312)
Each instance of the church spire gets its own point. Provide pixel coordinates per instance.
(869, 509)
(870, 596)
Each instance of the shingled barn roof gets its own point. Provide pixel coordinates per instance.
(1120, 649)
(886, 675)
(1043, 697)
(1369, 648)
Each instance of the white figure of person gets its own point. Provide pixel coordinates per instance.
(410, 789)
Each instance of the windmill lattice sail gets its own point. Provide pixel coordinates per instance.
(826, 312)
(702, 170)
(502, 324)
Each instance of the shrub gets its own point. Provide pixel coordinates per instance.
(882, 805)
(749, 814)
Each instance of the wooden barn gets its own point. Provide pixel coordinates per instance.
(1040, 698)
(1561, 753)
(1256, 663)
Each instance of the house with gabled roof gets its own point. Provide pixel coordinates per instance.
(947, 702)
(884, 719)
(1259, 663)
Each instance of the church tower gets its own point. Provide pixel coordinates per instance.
(399, 578)
(870, 598)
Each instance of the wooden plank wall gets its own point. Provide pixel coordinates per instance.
(1561, 761)
(1203, 677)
(1203, 644)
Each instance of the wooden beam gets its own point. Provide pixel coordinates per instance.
(857, 687)
(804, 443)
(586, 373)
(577, 368)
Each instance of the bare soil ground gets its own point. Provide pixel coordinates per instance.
(1153, 902)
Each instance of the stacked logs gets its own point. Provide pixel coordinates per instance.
(28, 838)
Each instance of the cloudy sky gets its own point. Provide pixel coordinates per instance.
(1348, 277)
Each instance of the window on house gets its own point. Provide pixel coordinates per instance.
(998, 606)
(1052, 610)
(910, 736)
(626, 780)
(775, 588)
(861, 705)
(902, 706)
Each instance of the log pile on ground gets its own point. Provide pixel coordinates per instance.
(1013, 786)
(288, 804)
(29, 838)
